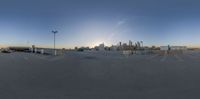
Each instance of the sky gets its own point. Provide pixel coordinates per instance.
(91, 22)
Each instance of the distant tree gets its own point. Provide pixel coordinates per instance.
(76, 48)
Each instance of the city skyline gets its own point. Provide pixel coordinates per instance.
(91, 22)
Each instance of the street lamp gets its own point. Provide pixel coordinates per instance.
(54, 32)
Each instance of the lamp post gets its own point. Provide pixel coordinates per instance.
(54, 32)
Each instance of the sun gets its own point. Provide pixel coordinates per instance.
(96, 43)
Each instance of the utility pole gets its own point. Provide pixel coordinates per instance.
(54, 32)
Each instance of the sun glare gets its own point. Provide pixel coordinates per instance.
(96, 43)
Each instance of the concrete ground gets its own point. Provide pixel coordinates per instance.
(99, 75)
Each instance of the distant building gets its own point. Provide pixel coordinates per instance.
(101, 47)
(19, 48)
(126, 46)
(120, 44)
(114, 48)
(138, 45)
(48, 51)
(130, 43)
(165, 48)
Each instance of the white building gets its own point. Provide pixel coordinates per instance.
(101, 47)
(164, 48)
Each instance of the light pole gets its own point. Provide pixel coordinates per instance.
(54, 32)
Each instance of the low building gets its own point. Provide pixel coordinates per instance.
(165, 48)
(19, 48)
(101, 47)
(49, 51)
(114, 48)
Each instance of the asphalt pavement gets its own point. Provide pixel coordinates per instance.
(99, 75)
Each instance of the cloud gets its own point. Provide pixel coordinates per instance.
(117, 29)
(121, 22)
